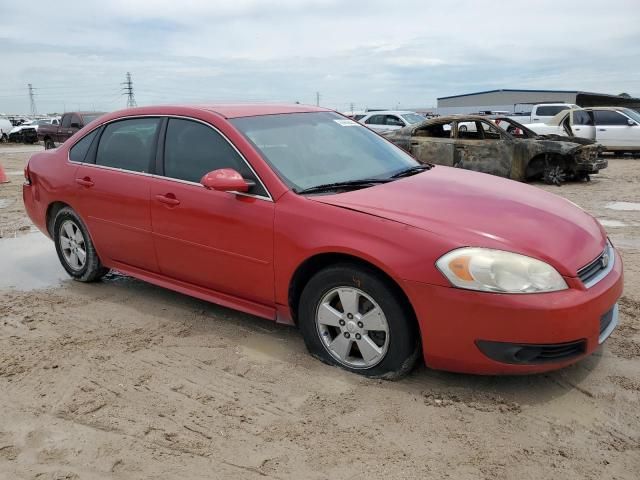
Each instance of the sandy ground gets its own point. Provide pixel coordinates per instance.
(121, 379)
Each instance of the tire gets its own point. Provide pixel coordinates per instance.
(328, 328)
(48, 144)
(71, 237)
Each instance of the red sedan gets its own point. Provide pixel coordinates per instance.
(302, 216)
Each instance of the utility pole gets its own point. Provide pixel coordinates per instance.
(34, 110)
(128, 91)
(317, 99)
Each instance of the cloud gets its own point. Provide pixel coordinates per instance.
(371, 53)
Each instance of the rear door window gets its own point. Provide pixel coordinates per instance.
(193, 149)
(79, 151)
(129, 144)
(582, 117)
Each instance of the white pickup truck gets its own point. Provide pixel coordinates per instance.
(541, 112)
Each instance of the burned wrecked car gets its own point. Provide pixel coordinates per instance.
(476, 143)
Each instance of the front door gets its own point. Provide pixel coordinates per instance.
(218, 240)
(113, 192)
(614, 131)
(484, 149)
(433, 142)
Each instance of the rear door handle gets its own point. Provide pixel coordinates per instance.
(85, 182)
(602, 129)
(168, 199)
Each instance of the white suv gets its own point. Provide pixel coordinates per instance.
(617, 128)
(385, 120)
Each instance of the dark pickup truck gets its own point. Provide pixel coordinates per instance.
(70, 123)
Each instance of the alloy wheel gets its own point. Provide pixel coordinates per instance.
(352, 327)
(73, 245)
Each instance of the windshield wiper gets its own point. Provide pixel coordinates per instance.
(364, 182)
(412, 170)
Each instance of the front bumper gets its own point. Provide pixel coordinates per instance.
(453, 321)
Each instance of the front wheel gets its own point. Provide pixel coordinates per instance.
(75, 248)
(352, 317)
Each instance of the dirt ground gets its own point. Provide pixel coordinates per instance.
(122, 379)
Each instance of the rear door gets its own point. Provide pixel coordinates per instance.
(218, 240)
(614, 131)
(113, 190)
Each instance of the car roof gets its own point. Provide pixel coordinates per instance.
(387, 112)
(606, 108)
(251, 110)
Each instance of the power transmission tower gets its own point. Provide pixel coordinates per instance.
(128, 91)
(318, 99)
(34, 110)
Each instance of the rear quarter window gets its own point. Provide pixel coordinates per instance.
(79, 151)
(551, 110)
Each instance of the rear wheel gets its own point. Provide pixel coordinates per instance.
(352, 317)
(75, 248)
(48, 144)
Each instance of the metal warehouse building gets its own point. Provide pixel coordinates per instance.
(520, 100)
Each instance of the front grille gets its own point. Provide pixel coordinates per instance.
(590, 274)
(531, 354)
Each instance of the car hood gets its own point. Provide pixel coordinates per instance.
(475, 209)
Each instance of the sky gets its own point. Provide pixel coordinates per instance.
(372, 54)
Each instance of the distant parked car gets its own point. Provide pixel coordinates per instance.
(489, 149)
(5, 127)
(617, 129)
(386, 120)
(28, 132)
(70, 123)
(540, 113)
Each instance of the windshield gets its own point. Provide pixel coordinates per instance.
(412, 118)
(317, 148)
(632, 114)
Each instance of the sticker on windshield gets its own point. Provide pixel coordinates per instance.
(345, 122)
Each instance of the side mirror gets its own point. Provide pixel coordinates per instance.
(75, 125)
(630, 122)
(225, 180)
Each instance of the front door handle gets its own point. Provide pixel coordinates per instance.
(85, 182)
(168, 199)
(602, 129)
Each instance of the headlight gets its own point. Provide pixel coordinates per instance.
(489, 270)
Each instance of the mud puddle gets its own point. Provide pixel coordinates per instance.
(623, 206)
(29, 262)
(605, 222)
